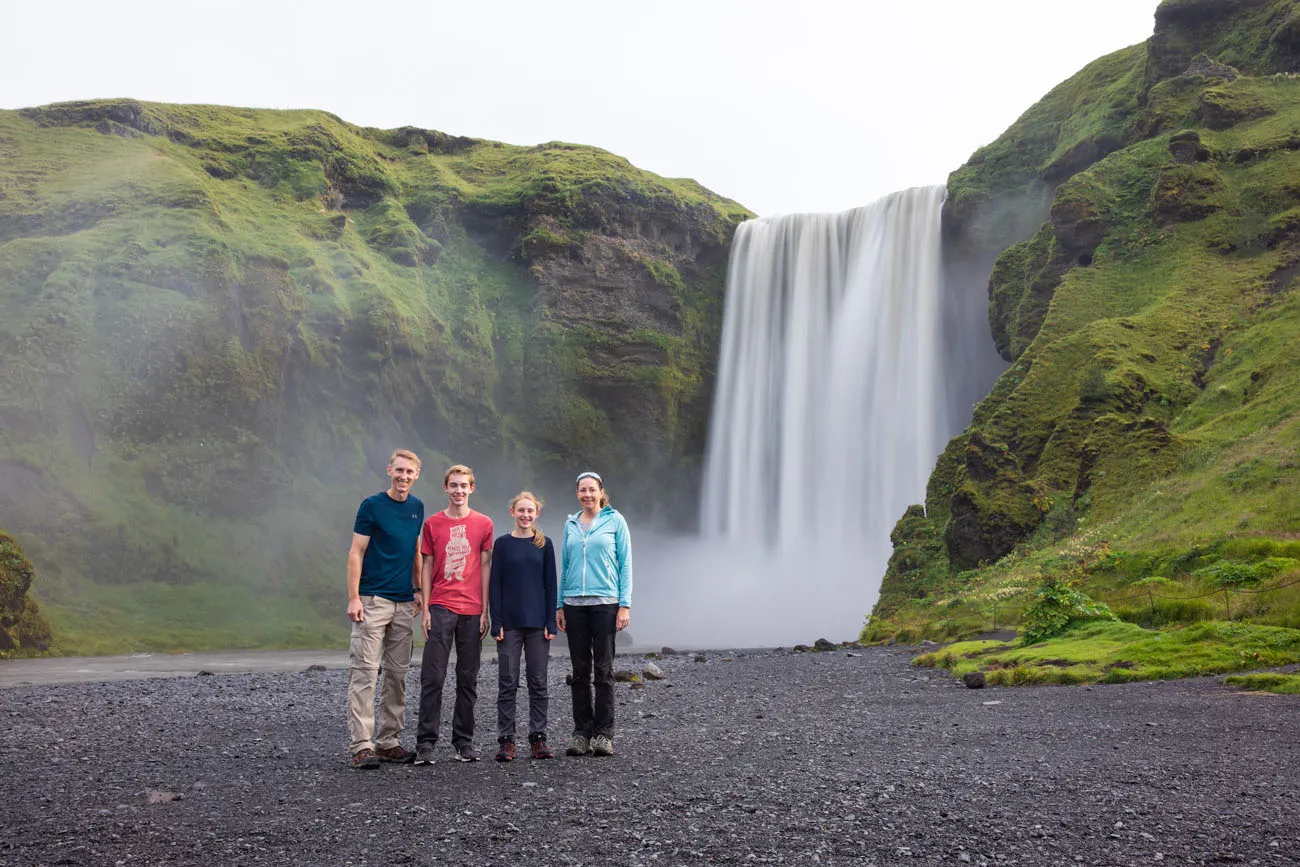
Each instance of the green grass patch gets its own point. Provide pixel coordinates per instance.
(1119, 652)
(1278, 684)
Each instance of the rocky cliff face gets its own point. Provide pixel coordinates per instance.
(219, 322)
(1138, 225)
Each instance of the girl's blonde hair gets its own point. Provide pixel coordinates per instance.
(538, 539)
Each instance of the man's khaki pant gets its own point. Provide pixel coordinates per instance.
(384, 635)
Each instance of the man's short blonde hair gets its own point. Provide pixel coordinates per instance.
(455, 469)
(405, 453)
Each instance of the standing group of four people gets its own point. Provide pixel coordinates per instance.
(462, 584)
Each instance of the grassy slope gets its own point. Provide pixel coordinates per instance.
(214, 334)
(1149, 427)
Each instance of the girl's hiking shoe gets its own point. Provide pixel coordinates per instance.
(578, 746)
(540, 750)
(602, 746)
(507, 752)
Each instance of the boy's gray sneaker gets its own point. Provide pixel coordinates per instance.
(578, 746)
(602, 746)
(466, 753)
(424, 754)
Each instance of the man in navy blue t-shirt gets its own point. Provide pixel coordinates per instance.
(383, 598)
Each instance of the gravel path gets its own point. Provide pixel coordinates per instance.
(753, 758)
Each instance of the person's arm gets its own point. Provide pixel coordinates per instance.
(552, 588)
(559, 598)
(417, 584)
(623, 553)
(494, 598)
(485, 565)
(426, 574)
(356, 611)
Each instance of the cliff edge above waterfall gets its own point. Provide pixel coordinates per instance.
(1143, 221)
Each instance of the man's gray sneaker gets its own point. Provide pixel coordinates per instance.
(466, 753)
(578, 746)
(424, 754)
(602, 746)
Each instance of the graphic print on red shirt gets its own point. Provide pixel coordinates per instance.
(456, 545)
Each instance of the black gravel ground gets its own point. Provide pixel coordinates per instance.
(764, 757)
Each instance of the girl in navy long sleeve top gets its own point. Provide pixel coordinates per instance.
(522, 602)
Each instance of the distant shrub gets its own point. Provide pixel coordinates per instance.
(1227, 573)
(1056, 607)
(1093, 386)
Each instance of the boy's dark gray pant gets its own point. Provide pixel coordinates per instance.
(444, 628)
(537, 652)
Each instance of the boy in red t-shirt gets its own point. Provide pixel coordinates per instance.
(457, 548)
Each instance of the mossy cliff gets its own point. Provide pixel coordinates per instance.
(1143, 219)
(218, 322)
(23, 631)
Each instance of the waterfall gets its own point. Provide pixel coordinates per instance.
(845, 367)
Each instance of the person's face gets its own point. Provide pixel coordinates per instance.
(525, 514)
(458, 487)
(589, 493)
(403, 472)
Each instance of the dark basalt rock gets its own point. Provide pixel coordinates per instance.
(1207, 68)
(1187, 193)
(973, 679)
(992, 505)
(1185, 147)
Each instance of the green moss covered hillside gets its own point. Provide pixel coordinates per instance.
(1143, 449)
(218, 322)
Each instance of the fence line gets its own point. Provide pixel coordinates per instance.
(1216, 591)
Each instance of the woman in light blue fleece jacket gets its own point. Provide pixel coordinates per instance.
(595, 603)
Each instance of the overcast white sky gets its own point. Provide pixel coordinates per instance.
(805, 105)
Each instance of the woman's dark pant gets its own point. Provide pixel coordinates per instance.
(537, 651)
(591, 630)
(446, 628)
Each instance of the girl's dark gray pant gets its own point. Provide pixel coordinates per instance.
(536, 651)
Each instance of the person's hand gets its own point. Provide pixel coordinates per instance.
(484, 624)
(547, 633)
(623, 619)
(356, 611)
(424, 624)
(501, 634)
(417, 604)
(559, 619)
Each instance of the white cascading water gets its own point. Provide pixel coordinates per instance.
(838, 385)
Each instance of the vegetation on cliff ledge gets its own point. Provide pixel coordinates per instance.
(1144, 446)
